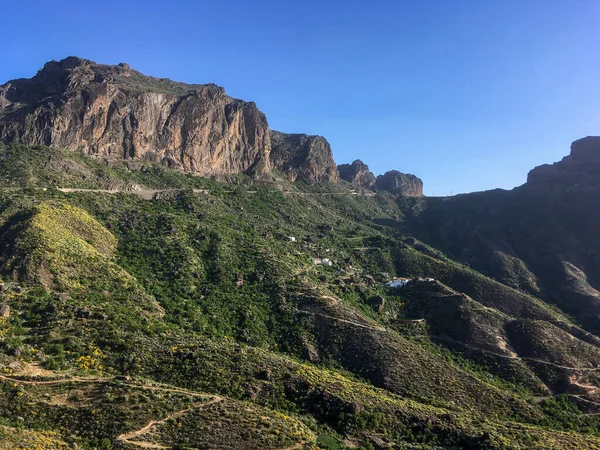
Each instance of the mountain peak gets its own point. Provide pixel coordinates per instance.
(302, 157)
(403, 184)
(357, 173)
(580, 170)
(586, 149)
(64, 64)
(116, 113)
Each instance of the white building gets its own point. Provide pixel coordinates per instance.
(397, 282)
(325, 262)
(291, 239)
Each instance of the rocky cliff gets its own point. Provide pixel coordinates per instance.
(578, 171)
(402, 184)
(303, 158)
(357, 173)
(116, 113)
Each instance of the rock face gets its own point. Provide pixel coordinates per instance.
(586, 150)
(578, 171)
(117, 113)
(403, 184)
(357, 173)
(303, 158)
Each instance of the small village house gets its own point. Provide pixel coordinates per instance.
(397, 282)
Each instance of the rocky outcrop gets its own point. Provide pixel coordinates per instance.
(578, 171)
(402, 184)
(303, 158)
(357, 173)
(586, 150)
(120, 115)
(117, 113)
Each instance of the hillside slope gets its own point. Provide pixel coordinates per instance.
(158, 308)
(539, 238)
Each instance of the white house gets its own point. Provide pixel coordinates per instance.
(397, 282)
(291, 239)
(325, 262)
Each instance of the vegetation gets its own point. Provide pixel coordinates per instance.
(189, 318)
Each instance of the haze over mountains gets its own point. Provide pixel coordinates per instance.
(177, 275)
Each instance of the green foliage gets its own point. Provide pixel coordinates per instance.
(562, 414)
(204, 291)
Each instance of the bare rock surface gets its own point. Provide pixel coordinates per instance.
(357, 173)
(402, 184)
(117, 113)
(303, 158)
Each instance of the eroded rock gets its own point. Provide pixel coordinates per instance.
(117, 113)
(303, 158)
(402, 184)
(357, 173)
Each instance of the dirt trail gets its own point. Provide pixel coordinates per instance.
(300, 444)
(358, 324)
(126, 437)
(56, 381)
(409, 320)
(582, 398)
(146, 194)
(151, 387)
(518, 358)
(97, 379)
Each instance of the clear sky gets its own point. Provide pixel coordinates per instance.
(467, 94)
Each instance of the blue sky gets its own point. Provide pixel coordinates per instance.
(468, 95)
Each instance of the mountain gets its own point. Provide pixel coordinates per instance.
(114, 112)
(303, 158)
(145, 306)
(579, 171)
(406, 185)
(357, 173)
(118, 114)
(539, 238)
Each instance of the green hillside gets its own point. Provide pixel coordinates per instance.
(154, 309)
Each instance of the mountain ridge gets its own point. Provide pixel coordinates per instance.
(117, 113)
(283, 302)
